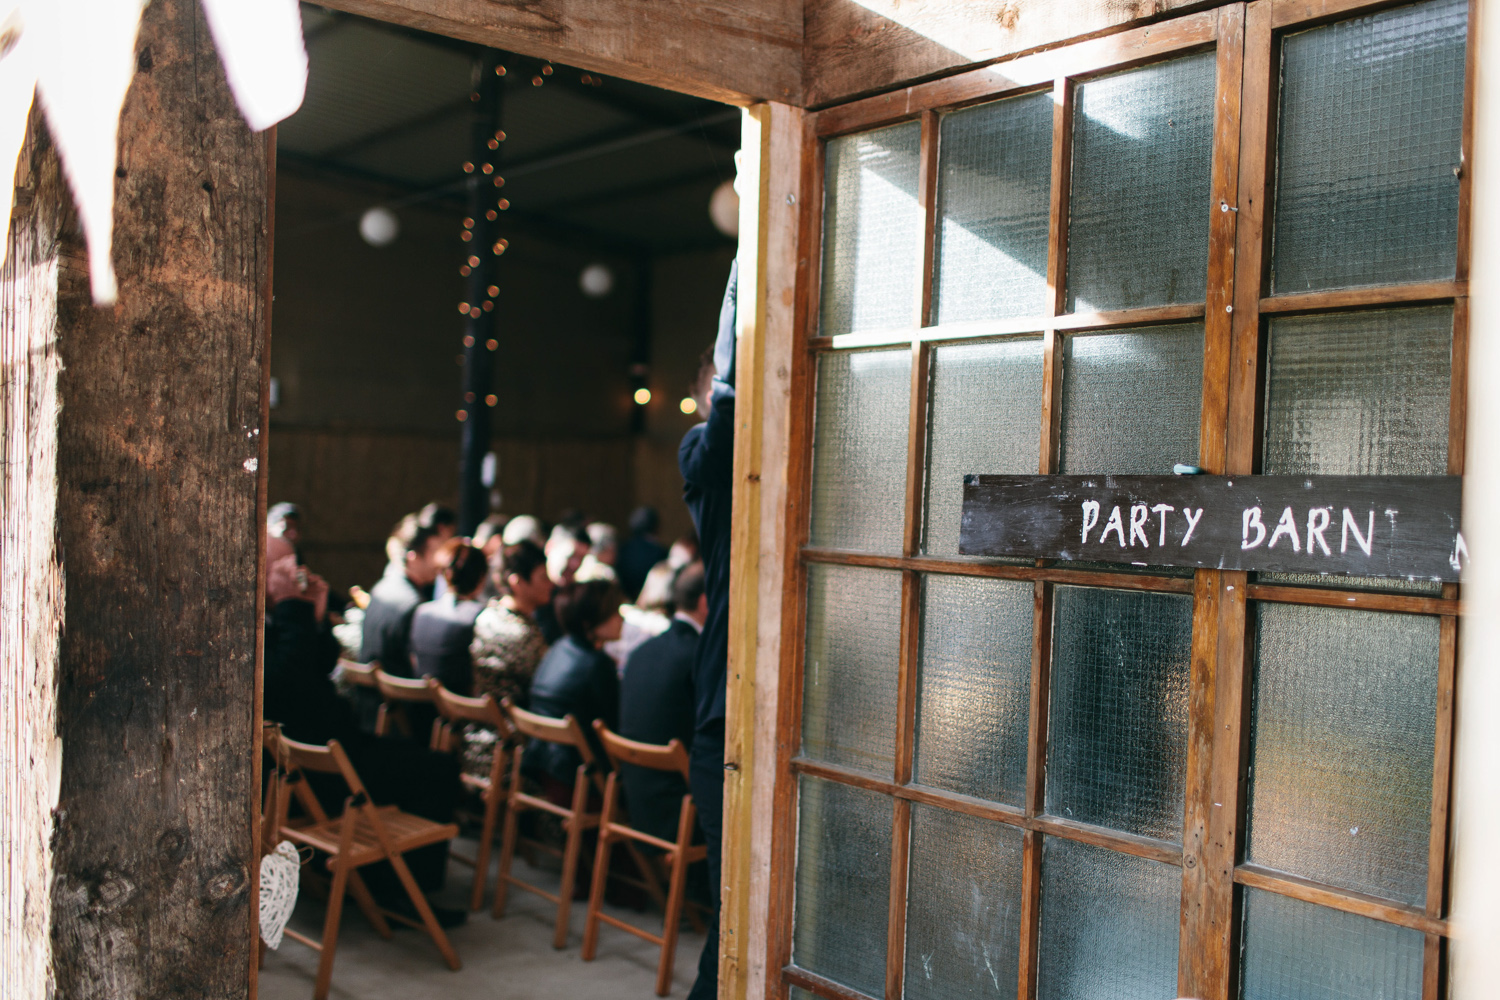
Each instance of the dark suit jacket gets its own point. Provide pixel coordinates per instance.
(657, 706)
(575, 680)
(441, 631)
(386, 635)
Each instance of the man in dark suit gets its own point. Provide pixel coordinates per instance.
(657, 705)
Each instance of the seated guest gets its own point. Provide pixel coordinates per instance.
(656, 705)
(508, 643)
(284, 520)
(300, 655)
(566, 549)
(524, 529)
(599, 564)
(576, 677)
(641, 551)
(442, 629)
(648, 617)
(386, 635)
(684, 550)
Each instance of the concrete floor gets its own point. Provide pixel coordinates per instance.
(507, 959)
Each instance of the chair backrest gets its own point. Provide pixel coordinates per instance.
(670, 757)
(566, 730)
(358, 674)
(403, 688)
(458, 708)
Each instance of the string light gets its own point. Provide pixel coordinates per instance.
(474, 96)
(468, 168)
(503, 204)
(536, 81)
(499, 70)
(466, 236)
(491, 400)
(488, 305)
(688, 405)
(490, 215)
(473, 261)
(642, 396)
(468, 397)
(463, 307)
(488, 168)
(465, 270)
(547, 70)
(468, 341)
(474, 313)
(492, 291)
(491, 344)
(500, 135)
(499, 182)
(462, 415)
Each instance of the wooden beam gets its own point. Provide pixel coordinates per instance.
(160, 471)
(856, 48)
(736, 51)
(762, 577)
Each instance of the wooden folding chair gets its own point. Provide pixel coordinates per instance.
(576, 818)
(613, 828)
(397, 693)
(363, 834)
(359, 674)
(455, 710)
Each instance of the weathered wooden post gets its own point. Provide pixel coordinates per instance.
(135, 485)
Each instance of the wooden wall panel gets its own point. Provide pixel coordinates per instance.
(158, 501)
(857, 47)
(736, 51)
(30, 570)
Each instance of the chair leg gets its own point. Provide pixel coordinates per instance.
(570, 858)
(676, 888)
(507, 854)
(601, 874)
(367, 906)
(331, 931)
(429, 921)
(492, 802)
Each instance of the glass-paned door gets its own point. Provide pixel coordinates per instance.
(1238, 245)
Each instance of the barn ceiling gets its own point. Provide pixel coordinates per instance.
(598, 159)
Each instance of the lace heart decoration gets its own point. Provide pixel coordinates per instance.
(278, 891)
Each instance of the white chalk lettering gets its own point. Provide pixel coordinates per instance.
(1161, 511)
(1251, 519)
(1286, 526)
(1090, 517)
(1115, 524)
(1365, 541)
(1138, 517)
(1317, 523)
(1192, 520)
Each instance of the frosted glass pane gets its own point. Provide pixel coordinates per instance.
(1371, 121)
(1142, 156)
(1117, 740)
(1342, 742)
(1109, 925)
(963, 910)
(974, 688)
(1298, 951)
(850, 667)
(859, 450)
(1131, 400)
(872, 230)
(1359, 394)
(843, 884)
(994, 199)
(984, 416)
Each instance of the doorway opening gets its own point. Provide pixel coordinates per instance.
(602, 216)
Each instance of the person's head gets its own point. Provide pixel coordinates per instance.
(521, 574)
(644, 521)
(565, 551)
(421, 559)
(487, 537)
(688, 593)
(524, 529)
(683, 551)
(590, 612)
(656, 592)
(463, 566)
(284, 520)
(701, 387)
(441, 520)
(603, 542)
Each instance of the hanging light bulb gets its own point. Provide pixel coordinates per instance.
(688, 405)
(642, 396)
(596, 280)
(379, 226)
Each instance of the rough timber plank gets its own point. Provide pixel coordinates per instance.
(30, 571)
(865, 47)
(157, 516)
(736, 51)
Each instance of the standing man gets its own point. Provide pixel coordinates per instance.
(706, 458)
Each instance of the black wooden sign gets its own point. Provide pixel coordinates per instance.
(1392, 526)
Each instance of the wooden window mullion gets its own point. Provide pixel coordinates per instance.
(1215, 689)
